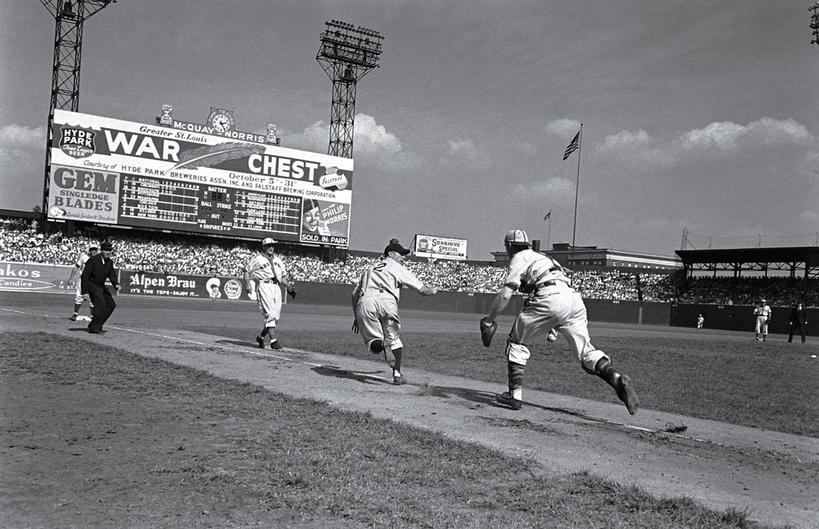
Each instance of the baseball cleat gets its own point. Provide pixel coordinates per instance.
(389, 358)
(626, 393)
(508, 400)
(73, 317)
(260, 342)
(398, 380)
(274, 344)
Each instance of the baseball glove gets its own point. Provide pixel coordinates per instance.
(292, 291)
(487, 331)
(526, 288)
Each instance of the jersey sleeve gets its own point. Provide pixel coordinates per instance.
(405, 276)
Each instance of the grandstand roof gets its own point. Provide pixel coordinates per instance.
(754, 259)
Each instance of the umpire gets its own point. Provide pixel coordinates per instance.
(99, 268)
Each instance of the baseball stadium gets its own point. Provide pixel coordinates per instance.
(181, 413)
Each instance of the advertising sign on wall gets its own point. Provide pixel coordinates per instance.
(181, 285)
(31, 277)
(439, 247)
(110, 171)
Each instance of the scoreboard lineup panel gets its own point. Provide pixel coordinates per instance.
(202, 208)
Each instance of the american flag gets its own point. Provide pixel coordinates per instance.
(573, 146)
(548, 215)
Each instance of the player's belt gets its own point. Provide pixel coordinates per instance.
(274, 281)
(550, 283)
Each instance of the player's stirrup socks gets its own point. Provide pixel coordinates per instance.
(606, 371)
(264, 332)
(397, 354)
(515, 372)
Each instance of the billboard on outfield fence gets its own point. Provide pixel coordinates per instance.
(439, 247)
(110, 171)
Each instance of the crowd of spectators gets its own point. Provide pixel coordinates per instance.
(779, 291)
(164, 253)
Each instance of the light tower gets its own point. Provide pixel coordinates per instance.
(347, 54)
(65, 76)
(814, 22)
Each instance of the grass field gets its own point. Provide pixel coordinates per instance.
(138, 442)
(124, 441)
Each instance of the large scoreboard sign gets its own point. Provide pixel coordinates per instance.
(110, 171)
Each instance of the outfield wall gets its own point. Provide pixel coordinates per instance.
(51, 278)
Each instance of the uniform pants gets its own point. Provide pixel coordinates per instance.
(801, 329)
(559, 307)
(377, 316)
(269, 297)
(103, 303)
(761, 325)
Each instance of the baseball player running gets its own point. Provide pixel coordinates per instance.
(375, 305)
(552, 304)
(763, 316)
(262, 277)
(76, 272)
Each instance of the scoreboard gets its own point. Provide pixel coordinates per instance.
(110, 171)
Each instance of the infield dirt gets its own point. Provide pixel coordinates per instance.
(770, 474)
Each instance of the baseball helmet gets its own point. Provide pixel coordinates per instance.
(268, 241)
(517, 237)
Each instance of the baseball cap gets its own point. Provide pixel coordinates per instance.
(516, 236)
(395, 246)
(106, 246)
(268, 241)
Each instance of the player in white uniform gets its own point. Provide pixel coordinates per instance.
(375, 305)
(763, 316)
(76, 272)
(552, 304)
(263, 275)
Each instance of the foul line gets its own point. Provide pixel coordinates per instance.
(313, 364)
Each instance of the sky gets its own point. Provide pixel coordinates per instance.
(697, 115)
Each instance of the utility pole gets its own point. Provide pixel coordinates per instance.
(65, 77)
(347, 54)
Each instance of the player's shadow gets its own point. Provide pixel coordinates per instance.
(364, 378)
(239, 343)
(487, 398)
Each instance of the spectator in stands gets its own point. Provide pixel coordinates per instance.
(797, 322)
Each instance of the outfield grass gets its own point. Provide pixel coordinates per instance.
(180, 446)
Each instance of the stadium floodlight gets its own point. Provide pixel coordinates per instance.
(65, 78)
(347, 53)
(814, 22)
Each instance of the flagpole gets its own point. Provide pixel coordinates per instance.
(549, 233)
(576, 193)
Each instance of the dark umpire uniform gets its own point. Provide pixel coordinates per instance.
(96, 271)
(798, 322)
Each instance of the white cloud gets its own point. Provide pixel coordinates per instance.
(637, 147)
(566, 128)
(728, 136)
(371, 141)
(465, 153)
(553, 188)
(17, 137)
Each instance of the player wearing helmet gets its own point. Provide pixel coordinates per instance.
(263, 275)
(552, 304)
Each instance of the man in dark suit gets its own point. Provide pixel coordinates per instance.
(97, 270)
(798, 321)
